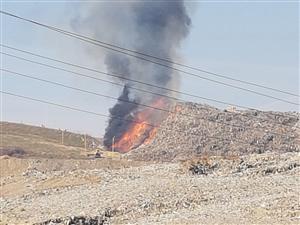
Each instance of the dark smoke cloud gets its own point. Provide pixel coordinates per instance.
(122, 111)
(156, 28)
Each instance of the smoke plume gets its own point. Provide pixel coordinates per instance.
(156, 28)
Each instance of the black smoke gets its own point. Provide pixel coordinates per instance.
(120, 112)
(153, 27)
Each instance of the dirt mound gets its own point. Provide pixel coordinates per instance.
(201, 129)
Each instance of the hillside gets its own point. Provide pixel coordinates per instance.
(21, 140)
(197, 129)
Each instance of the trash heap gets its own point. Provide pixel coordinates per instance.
(195, 129)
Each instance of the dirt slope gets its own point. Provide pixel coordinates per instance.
(22, 140)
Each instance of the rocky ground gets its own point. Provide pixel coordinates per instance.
(196, 129)
(251, 189)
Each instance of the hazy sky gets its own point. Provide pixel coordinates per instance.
(257, 42)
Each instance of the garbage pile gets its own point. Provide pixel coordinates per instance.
(201, 168)
(81, 220)
(196, 129)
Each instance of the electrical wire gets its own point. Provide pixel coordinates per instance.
(155, 62)
(120, 77)
(103, 115)
(134, 88)
(136, 103)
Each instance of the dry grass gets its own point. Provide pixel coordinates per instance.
(46, 134)
(33, 141)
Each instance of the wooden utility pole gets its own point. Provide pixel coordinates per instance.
(113, 144)
(62, 137)
(85, 141)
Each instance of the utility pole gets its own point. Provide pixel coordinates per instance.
(85, 141)
(113, 144)
(62, 137)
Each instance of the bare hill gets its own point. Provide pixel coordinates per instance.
(22, 140)
(208, 130)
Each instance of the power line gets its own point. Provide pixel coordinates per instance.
(201, 77)
(82, 37)
(75, 109)
(103, 115)
(148, 60)
(168, 60)
(135, 103)
(183, 65)
(118, 76)
(83, 90)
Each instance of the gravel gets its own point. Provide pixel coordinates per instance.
(236, 191)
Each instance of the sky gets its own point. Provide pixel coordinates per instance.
(252, 41)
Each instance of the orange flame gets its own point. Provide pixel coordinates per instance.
(151, 135)
(139, 133)
(178, 108)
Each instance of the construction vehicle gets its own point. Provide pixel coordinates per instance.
(100, 153)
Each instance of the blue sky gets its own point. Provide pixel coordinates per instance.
(253, 41)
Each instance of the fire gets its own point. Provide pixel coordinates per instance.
(141, 132)
(152, 133)
(178, 108)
